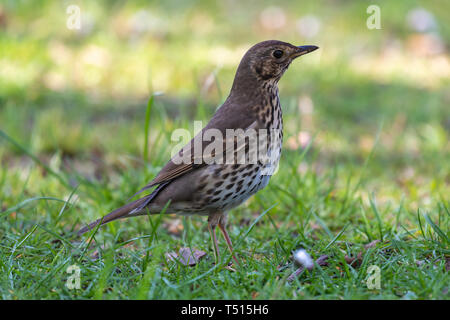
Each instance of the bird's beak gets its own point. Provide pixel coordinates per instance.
(301, 50)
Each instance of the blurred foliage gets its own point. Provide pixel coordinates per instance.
(63, 89)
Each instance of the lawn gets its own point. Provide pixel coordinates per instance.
(86, 118)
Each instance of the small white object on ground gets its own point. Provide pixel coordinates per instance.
(302, 257)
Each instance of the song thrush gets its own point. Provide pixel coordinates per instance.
(198, 185)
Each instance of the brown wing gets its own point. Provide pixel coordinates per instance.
(224, 119)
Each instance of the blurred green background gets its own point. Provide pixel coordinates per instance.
(373, 105)
(80, 95)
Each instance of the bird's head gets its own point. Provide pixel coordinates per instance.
(268, 60)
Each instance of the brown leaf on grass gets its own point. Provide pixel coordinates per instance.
(186, 256)
(356, 261)
(321, 261)
(447, 264)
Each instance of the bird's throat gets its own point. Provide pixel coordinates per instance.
(269, 109)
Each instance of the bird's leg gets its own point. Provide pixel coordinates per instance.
(222, 227)
(212, 224)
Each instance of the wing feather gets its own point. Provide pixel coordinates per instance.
(172, 170)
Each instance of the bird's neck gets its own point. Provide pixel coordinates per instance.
(258, 94)
(269, 110)
(245, 82)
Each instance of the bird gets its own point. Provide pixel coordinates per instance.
(195, 182)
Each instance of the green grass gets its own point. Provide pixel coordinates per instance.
(308, 211)
(371, 164)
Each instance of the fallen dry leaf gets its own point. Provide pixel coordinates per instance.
(186, 256)
(356, 261)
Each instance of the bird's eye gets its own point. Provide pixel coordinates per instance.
(278, 54)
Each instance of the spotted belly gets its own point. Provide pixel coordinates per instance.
(224, 186)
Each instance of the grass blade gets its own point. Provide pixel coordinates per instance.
(438, 230)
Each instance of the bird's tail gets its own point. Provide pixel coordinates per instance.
(135, 208)
(129, 210)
